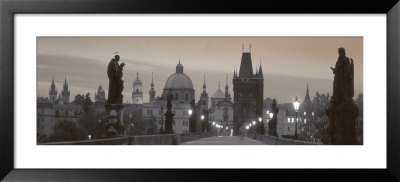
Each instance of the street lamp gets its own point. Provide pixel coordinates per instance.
(202, 120)
(296, 105)
(190, 112)
(271, 115)
(90, 137)
(254, 122)
(260, 119)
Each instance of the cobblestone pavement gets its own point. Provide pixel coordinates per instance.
(224, 140)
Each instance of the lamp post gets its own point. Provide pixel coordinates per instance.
(296, 105)
(202, 121)
(190, 112)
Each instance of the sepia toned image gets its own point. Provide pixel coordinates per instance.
(199, 90)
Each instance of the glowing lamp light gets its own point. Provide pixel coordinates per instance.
(254, 122)
(260, 119)
(190, 112)
(90, 137)
(202, 117)
(296, 105)
(271, 115)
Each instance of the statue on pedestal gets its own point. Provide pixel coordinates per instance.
(169, 115)
(116, 84)
(342, 112)
(273, 122)
(114, 104)
(343, 84)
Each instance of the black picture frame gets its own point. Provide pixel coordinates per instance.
(9, 8)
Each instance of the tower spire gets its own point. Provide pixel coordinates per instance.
(307, 98)
(152, 82)
(152, 92)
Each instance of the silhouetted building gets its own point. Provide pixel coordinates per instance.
(248, 91)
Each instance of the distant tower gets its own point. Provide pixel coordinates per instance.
(53, 92)
(65, 92)
(204, 96)
(137, 94)
(227, 95)
(248, 89)
(307, 104)
(100, 95)
(152, 92)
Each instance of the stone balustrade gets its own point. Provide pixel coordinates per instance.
(272, 140)
(167, 139)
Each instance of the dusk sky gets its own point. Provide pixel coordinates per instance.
(288, 63)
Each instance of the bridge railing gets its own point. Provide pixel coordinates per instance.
(167, 139)
(272, 140)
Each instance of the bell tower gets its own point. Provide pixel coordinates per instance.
(137, 94)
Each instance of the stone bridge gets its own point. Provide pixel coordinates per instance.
(188, 139)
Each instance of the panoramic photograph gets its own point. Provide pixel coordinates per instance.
(199, 91)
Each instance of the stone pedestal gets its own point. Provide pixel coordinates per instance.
(272, 127)
(169, 117)
(114, 126)
(342, 123)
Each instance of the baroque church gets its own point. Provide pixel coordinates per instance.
(181, 87)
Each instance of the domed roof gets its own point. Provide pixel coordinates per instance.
(179, 80)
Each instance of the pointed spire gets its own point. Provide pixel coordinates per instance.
(204, 83)
(227, 95)
(256, 70)
(307, 98)
(260, 70)
(137, 75)
(226, 79)
(152, 82)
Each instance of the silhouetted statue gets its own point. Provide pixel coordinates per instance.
(342, 112)
(273, 122)
(169, 115)
(343, 83)
(170, 97)
(116, 84)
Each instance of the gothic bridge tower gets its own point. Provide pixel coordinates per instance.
(248, 89)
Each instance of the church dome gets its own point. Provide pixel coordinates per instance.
(179, 80)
